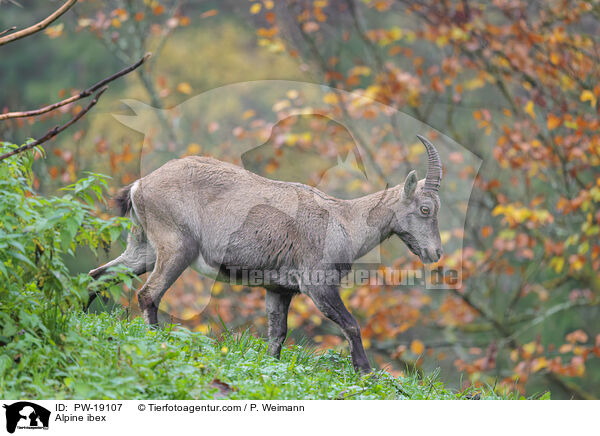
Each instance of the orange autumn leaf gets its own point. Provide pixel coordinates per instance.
(194, 149)
(437, 85)
(121, 13)
(330, 98)
(417, 347)
(553, 122)
(209, 13)
(529, 108)
(184, 88)
(565, 348)
(267, 33)
(588, 95)
(248, 114)
(539, 364)
(55, 31)
(255, 8)
(486, 231)
(577, 336)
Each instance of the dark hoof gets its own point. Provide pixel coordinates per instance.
(364, 370)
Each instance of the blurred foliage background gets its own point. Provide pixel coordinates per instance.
(516, 82)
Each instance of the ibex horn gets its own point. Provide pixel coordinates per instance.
(434, 166)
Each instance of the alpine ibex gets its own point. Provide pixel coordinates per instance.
(228, 220)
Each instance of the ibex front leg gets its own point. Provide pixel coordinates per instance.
(278, 304)
(327, 299)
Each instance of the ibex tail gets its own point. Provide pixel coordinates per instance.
(123, 200)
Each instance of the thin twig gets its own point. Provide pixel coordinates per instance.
(39, 26)
(10, 29)
(362, 33)
(76, 97)
(56, 130)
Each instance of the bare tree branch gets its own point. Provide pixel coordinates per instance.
(10, 29)
(83, 94)
(39, 26)
(56, 130)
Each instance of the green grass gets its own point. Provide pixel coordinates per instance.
(105, 357)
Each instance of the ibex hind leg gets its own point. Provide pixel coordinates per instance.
(139, 256)
(172, 258)
(277, 305)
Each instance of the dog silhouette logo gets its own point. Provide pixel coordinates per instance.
(26, 415)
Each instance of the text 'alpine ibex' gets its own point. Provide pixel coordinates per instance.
(229, 221)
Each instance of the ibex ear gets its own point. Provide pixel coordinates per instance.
(410, 184)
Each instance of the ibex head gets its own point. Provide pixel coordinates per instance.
(415, 220)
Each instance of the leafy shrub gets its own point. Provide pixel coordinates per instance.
(37, 291)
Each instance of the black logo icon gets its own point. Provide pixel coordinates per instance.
(26, 415)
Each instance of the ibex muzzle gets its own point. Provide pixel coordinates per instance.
(225, 220)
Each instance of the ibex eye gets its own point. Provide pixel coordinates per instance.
(424, 210)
